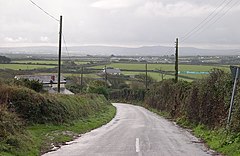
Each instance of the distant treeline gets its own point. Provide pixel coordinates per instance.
(4, 59)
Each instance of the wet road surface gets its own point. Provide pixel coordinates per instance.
(135, 131)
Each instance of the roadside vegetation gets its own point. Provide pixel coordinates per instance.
(200, 105)
(32, 123)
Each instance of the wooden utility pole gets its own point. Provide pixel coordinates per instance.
(59, 54)
(146, 79)
(176, 62)
(82, 79)
(106, 76)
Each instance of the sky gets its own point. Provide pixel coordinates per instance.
(129, 23)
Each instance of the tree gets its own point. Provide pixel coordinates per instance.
(142, 78)
(98, 87)
(4, 59)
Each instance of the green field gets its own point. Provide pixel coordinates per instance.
(23, 66)
(80, 62)
(156, 76)
(69, 74)
(165, 67)
(54, 62)
(36, 61)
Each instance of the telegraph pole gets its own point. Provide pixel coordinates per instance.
(146, 83)
(106, 76)
(59, 54)
(176, 62)
(82, 79)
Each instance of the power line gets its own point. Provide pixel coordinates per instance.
(202, 22)
(45, 11)
(207, 21)
(226, 11)
(171, 49)
(65, 44)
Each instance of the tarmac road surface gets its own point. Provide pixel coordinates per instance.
(135, 131)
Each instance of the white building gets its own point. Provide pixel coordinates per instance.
(50, 82)
(112, 71)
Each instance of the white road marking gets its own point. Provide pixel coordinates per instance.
(137, 145)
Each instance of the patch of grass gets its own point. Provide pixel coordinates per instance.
(47, 134)
(54, 62)
(19, 144)
(219, 140)
(183, 122)
(160, 113)
(81, 62)
(23, 66)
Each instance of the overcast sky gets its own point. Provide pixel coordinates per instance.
(118, 22)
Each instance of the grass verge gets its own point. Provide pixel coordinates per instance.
(42, 137)
(219, 140)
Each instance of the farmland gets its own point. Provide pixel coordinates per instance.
(23, 66)
(52, 62)
(183, 68)
(71, 74)
(165, 67)
(33, 64)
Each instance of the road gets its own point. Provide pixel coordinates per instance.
(135, 131)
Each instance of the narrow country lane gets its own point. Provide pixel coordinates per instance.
(135, 131)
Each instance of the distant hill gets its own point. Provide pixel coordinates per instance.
(109, 50)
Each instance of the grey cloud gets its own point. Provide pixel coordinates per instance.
(121, 22)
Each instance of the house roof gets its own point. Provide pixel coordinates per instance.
(45, 79)
(62, 91)
(112, 71)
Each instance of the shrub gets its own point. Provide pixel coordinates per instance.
(34, 107)
(31, 84)
(201, 102)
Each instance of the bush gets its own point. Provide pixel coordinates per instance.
(31, 84)
(201, 102)
(20, 107)
(98, 87)
(98, 90)
(46, 108)
(127, 95)
(9, 122)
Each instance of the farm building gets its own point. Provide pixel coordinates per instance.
(49, 82)
(112, 71)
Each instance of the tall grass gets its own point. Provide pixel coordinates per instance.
(21, 108)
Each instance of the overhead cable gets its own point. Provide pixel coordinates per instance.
(207, 21)
(44, 11)
(65, 44)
